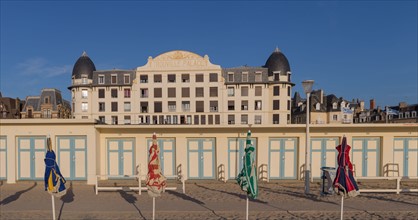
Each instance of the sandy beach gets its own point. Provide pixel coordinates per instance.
(207, 200)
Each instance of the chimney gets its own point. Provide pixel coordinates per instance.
(372, 104)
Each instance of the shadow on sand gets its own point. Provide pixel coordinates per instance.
(132, 200)
(67, 198)
(191, 199)
(16, 196)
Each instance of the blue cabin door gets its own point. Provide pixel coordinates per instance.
(121, 160)
(282, 158)
(365, 156)
(31, 151)
(72, 158)
(405, 153)
(323, 154)
(236, 152)
(201, 158)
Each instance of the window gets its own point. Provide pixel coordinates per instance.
(335, 117)
(84, 80)
(101, 93)
(276, 77)
(114, 106)
(276, 104)
(257, 105)
(203, 119)
(144, 107)
(231, 91)
(101, 79)
(244, 105)
(114, 79)
(213, 106)
(114, 93)
(258, 91)
(185, 92)
(102, 107)
(231, 105)
(288, 104)
(158, 107)
(84, 94)
(185, 106)
(334, 105)
(230, 77)
(213, 77)
(127, 119)
(244, 77)
(158, 92)
(200, 106)
(114, 120)
(158, 78)
(196, 119)
(288, 118)
(185, 78)
(231, 119)
(171, 92)
(210, 119)
(127, 106)
(244, 119)
(199, 77)
(276, 90)
(127, 93)
(143, 78)
(102, 119)
(244, 91)
(199, 92)
(318, 106)
(400, 115)
(126, 79)
(288, 91)
(213, 91)
(257, 119)
(171, 106)
(217, 119)
(84, 106)
(406, 114)
(144, 93)
(171, 78)
(276, 118)
(414, 114)
(258, 77)
(46, 113)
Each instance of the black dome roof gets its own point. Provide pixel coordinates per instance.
(84, 65)
(277, 62)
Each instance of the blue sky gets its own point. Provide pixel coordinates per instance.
(353, 49)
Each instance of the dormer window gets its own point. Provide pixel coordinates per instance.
(126, 79)
(258, 77)
(114, 79)
(334, 105)
(245, 77)
(101, 79)
(84, 79)
(318, 106)
(46, 100)
(230, 77)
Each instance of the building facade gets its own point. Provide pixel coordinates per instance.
(50, 104)
(181, 87)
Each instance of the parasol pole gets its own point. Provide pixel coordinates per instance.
(342, 206)
(53, 207)
(246, 217)
(153, 208)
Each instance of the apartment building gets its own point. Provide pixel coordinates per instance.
(181, 87)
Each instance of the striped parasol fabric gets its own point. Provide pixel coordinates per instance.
(54, 181)
(247, 178)
(156, 182)
(344, 182)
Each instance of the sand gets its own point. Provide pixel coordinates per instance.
(207, 200)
